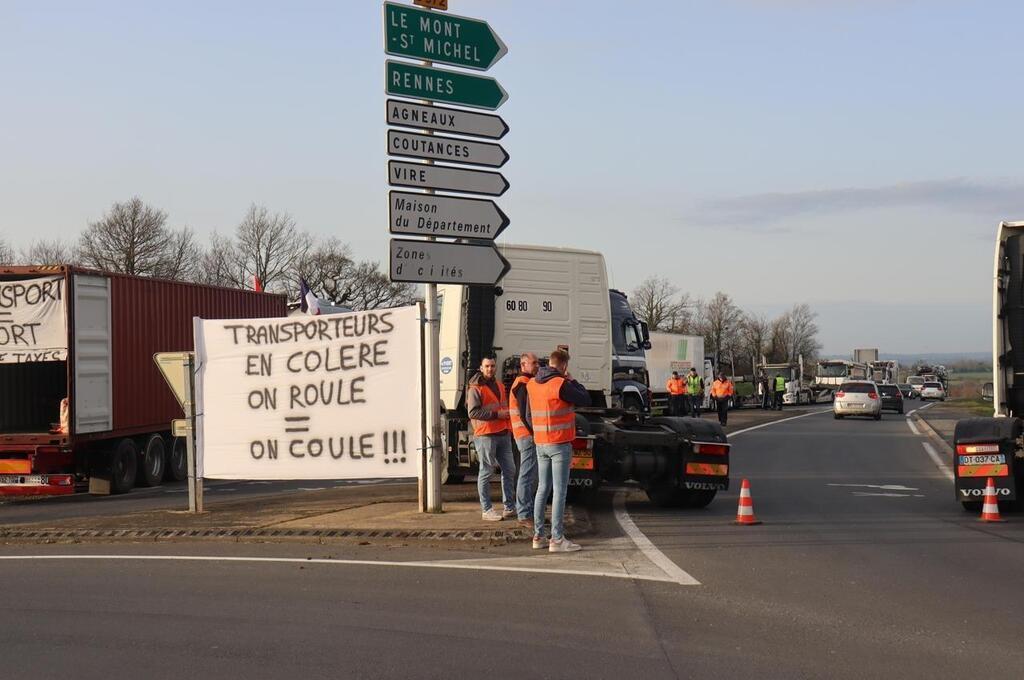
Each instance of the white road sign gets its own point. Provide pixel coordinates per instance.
(422, 176)
(447, 216)
(445, 149)
(440, 262)
(455, 121)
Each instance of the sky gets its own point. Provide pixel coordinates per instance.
(856, 155)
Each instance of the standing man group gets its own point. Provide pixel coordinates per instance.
(542, 418)
(721, 391)
(677, 397)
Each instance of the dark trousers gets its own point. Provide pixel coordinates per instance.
(766, 398)
(675, 405)
(723, 410)
(778, 400)
(695, 401)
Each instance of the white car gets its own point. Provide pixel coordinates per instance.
(857, 398)
(916, 383)
(933, 390)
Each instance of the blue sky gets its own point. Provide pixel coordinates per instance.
(780, 150)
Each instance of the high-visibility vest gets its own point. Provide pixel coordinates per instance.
(693, 384)
(487, 397)
(519, 429)
(780, 384)
(554, 420)
(676, 386)
(721, 388)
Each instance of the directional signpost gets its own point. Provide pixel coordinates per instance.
(466, 264)
(421, 82)
(447, 216)
(443, 38)
(463, 42)
(446, 149)
(444, 178)
(456, 121)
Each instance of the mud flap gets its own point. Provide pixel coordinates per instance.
(972, 467)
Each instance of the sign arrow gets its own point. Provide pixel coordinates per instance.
(466, 264)
(434, 84)
(442, 38)
(446, 149)
(422, 176)
(447, 216)
(442, 119)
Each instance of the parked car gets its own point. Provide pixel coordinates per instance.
(916, 382)
(892, 397)
(857, 398)
(907, 390)
(933, 390)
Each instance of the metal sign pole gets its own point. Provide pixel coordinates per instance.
(195, 483)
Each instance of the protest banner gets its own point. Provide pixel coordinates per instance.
(33, 321)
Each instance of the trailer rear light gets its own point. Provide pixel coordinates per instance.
(977, 448)
(711, 449)
(583, 444)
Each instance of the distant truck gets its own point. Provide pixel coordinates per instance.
(560, 296)
(831, 373)
(865, 355)
(992, 447)
(88, 405)
(885, 371)
(798, 388)
(676, 352)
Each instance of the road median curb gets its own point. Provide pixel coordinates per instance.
(933, 434)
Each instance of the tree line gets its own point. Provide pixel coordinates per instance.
(135, 238)
(733, 336)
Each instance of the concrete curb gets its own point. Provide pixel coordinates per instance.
(932, 434)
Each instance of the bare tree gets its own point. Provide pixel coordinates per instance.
(332, 274)
(753, 337)
(719, 322)
(803, 332)
(269, 246)
(6, 254)
(658, 302)
(46, 251)
(779, 339)
(133, 238)
(218, 264)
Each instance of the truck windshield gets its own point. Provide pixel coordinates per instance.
(833, 370)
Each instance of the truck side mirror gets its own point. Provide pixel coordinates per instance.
(645, 335)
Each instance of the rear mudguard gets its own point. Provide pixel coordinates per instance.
(971, 470)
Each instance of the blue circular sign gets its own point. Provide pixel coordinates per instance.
(447, 365)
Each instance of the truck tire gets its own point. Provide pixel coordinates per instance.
(665, 494)
(124, 466)
(700, 499)
(177, 461)
(971, 506)
(631, 403)
(152, 462)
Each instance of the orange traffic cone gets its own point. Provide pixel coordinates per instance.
(745, 511)
(990, 510)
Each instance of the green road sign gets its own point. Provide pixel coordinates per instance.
(444, 38)
(434, 84)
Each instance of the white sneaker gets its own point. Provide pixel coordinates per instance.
(540, 542)
(563, 545)
(491, 515)
(506, 513)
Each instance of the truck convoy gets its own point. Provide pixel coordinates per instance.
(551, 297)
(81, 399)
(831, 373)
(993, 447)
(799, 390)
(676, 352)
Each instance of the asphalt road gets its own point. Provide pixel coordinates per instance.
(865, 567)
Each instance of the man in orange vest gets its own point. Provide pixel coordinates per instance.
(519, 414)
(553, 397)
(676, 387)
(487, 405)
(721, 391)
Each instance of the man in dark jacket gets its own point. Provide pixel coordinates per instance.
(554, 396)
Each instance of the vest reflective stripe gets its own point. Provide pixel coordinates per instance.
(780, 384)
(519, 429)
(498, 425)
(693, 384)
(554, 420)
(721, 389)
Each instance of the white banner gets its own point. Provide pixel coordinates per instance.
(33, 320)
(325, 397)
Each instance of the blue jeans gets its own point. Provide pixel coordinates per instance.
(553, 462)
(695, 402)
(495, 450)
(527, 487)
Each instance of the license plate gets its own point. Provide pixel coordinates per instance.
(11, 480)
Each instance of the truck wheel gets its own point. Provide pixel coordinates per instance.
(153, 461)
(971, 506)
(177, 461)
(700, 499)
(124, 465)
(667, 495)
(632, 404)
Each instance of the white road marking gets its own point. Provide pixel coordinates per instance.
(885, 495)
(939, 463)
(356, 563)
(312, 488)
(912, 426)
(884, 487)
(776, 422)
(644, 545)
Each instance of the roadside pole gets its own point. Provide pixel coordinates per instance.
(195, 482)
